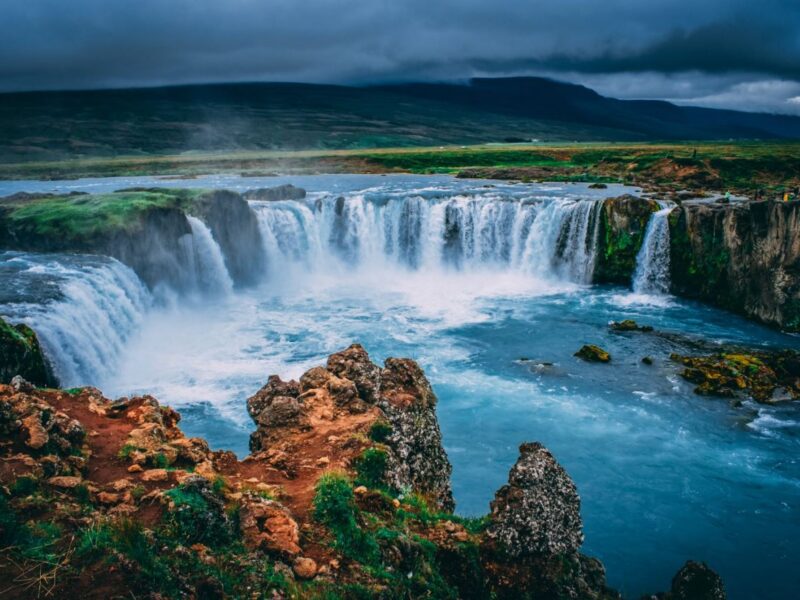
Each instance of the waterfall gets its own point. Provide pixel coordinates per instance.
(206, 262)
(652, 262)
(83, 309)
(554, 238)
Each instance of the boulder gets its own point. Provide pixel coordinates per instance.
(628, 325)
(696, 581)
(304, 568)
(21, 355)
(268, 526)
(592, 353)
(538, 511)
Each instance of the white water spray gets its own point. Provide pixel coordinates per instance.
(207, 264)
(652, 262)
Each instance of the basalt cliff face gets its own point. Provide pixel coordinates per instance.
(744, 257)
(346, 495)
(623, 222)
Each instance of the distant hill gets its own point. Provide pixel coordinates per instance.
(288, 116)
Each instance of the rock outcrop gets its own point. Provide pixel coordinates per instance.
(694, 581)
(623, 222)
(281, 192)
(235, 228)
(351, 385)
(346, 493)
(538, 511)
(21, 354)
(765, 376)
(743, 257)
(592, 353)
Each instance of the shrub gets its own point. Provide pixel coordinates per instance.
(334, 507)
(380, 431)
(198, 515)
(371, 467)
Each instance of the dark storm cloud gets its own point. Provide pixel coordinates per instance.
(689, 49)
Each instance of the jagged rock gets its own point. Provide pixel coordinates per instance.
(282, 192)
(628, 325)
(269, 526)
(37, 435)
(418, 459)
(538, 511)
(354, 364)
(693, 581)
(696, 581)
(592, 353)
(20, 384)
(276, 405)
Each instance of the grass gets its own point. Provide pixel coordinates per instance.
(87, 216)
(730, 165)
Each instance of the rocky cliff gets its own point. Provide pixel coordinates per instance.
(623, 222)
(744, 257)
(345, 495)
(21, 354)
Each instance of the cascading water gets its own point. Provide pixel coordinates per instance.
(653, 262)
(83, 308)
(206, 262)
(546, 238)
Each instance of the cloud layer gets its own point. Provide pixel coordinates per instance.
(732, 53)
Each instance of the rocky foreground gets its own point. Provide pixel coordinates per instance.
(346, 494)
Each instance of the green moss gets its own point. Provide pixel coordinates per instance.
(21, 354)
(24, 486)
(380, 431)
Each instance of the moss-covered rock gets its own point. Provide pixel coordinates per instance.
(743, 257)
(592, 353)
(767, 377)
(21, 354)
(623, 222)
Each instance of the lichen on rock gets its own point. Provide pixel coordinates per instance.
(538, 510)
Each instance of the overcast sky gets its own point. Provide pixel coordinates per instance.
(729, 53)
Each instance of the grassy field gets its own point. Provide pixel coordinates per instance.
(745, 167)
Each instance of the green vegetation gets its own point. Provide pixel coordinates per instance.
(738, 166)
(20, 354)
(84, 217)
(335, 507)
(371, 467)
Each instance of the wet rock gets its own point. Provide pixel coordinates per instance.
(623, 222)
(628, 325)
(592, 353)
(696, 581)
(767, 377)
(21, 355)
(538, 511)
(281, 192)
(597, 186)
(646, 360)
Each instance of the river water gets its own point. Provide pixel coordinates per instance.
(487, 286)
